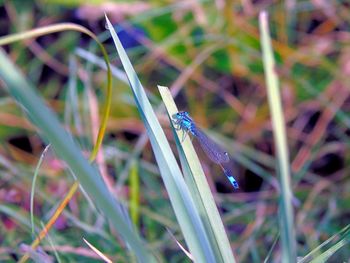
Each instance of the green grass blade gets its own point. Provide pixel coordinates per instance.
(340, 239)
(200, 190)
(18, 215)
(67, 150)
(181, 200)
(135, 194)
(280, 138)
(329, 252)
(269, 254)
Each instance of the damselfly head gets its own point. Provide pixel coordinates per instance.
(181, 115)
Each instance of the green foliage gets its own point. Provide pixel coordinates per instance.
(210, 57)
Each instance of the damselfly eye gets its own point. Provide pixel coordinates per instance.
(176, 116)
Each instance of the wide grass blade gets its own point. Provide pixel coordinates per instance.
(186, 213)
(200, 188)
(280, 138)
(67, 149)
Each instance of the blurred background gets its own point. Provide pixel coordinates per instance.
(208, 53)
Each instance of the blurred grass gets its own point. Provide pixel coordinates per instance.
(280, 142)
(135, 195)
(224, 92)
(66, 149)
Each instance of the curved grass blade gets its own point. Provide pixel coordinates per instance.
(57, 28)
(181, 200)
(36, 172)
(66, 148)
(37, 32)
